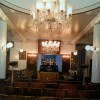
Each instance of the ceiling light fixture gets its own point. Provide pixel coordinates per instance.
(21, 50)
(52, 13)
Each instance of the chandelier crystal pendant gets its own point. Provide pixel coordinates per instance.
(56, 11)
(50, 46)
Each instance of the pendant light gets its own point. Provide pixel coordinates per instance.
(75, 53)
(21, 50)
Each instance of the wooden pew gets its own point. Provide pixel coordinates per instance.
(16, 97)
(35, 85)
(4, 97)
(34, 92)
(55, 93)
(21, 84)
(67, 86)
(51, 85)
(13, 90)
(91, 94)
(2, 90)
(48, 98)
(74, 99)
(72, 93)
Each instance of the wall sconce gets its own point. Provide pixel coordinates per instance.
(87, 47)
(97, 49)
(91, 48)
(8, 45)
(3, 46)
(75, 53)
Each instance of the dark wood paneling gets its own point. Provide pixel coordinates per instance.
(49, 76)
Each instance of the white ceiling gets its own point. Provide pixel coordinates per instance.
(20, 26)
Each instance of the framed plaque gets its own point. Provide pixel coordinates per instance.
(22, 55)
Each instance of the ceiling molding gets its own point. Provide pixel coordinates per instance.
(9, 22)
(86, 29)
(10, 5)
(76, 11)
(85, 9)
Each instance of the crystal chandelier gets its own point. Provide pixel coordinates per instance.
(50, 46)
(54, 13)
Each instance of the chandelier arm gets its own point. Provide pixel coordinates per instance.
(45, 10)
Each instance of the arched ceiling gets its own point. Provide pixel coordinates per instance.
(27, 4)
(86, 14)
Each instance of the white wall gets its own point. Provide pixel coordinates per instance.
(67, 49)
(14, 53)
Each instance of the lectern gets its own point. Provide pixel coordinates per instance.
(13, 64)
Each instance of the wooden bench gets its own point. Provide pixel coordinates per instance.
(4, 97)
(16, 97)
(48, 98)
